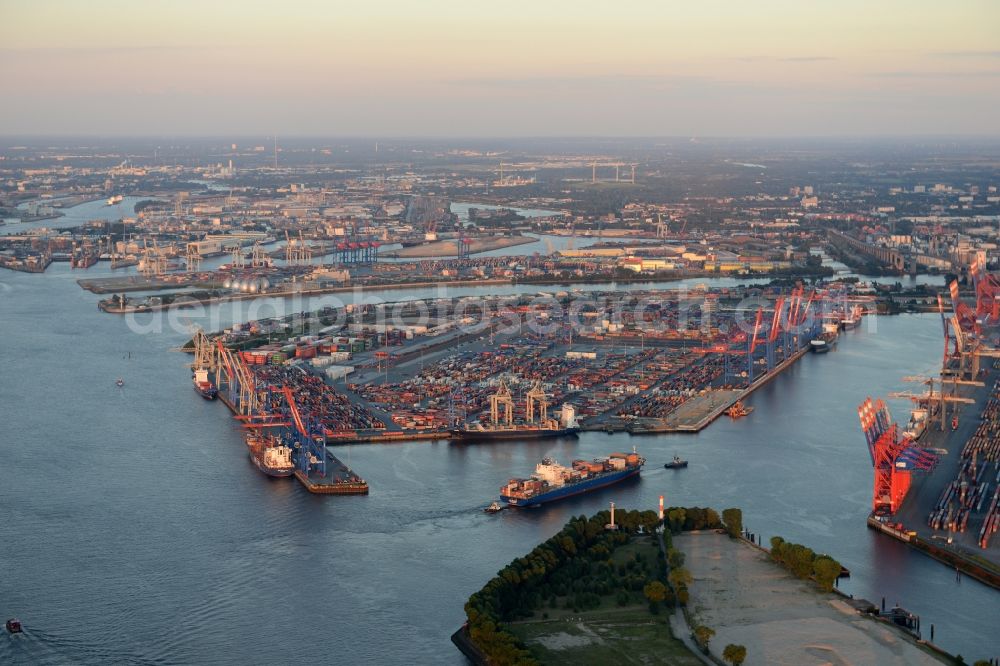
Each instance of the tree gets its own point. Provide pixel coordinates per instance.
(777, 548)
(676, 558)
(680, 577)
(800, 560)
(676, 518)
(733, 520)
(734, 654)
(712, 519)
(655, 592)
(826, 570)
(703, 635)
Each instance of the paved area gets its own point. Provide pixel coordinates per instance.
(750, 601)
(690, 414)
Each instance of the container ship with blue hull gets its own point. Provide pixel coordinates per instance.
(552, 481)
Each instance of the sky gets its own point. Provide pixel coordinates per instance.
(441, 68)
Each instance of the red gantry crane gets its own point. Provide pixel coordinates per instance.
(987, 291)
(893, 456)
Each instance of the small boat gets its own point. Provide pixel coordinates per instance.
(14, 626)
(738, 410)
(676, 463)
(119, 382)
(494, 507)
(903, 618)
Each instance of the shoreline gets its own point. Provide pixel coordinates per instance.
(748, 599)
(292, 294)
(949, 557)
(448, 248)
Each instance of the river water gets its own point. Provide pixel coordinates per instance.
(136, 529)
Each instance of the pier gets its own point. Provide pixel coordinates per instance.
(338, 478)
(696, 414)
(932, 518)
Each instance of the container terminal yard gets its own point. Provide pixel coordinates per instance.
(937, 481)
(523, 367)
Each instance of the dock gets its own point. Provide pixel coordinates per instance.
(958, 548)
(339, 479)
(697, 413)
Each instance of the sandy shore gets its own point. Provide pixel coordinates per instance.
(749, 600)
(449, 248)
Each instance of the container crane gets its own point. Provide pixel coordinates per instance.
(503, 398)
(987, 291)
(893, 457)
(308, 437)
(965, 315)
(536, 397)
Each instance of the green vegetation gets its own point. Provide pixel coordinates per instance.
(702, 635)
(625, 637)
(804, 563)
(733, 519)
(585, 570)
(734, 654)
(680, 519)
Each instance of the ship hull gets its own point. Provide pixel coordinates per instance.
(572, 490)
(270, 471)
(506, 435)
(207, 393)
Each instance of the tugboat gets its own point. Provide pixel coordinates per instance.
(494, 507)
(738, 410)
(676, 463)
(14, 626)
(119, 382)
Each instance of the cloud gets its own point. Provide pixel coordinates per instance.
(784, 58)
(617, 83)
(564, 81)
(918, 74)
(965, 54)
(808, 59)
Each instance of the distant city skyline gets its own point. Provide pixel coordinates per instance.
(446, 68)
